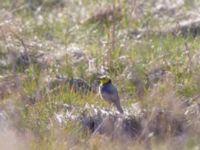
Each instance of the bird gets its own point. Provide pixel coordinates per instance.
(109, 93)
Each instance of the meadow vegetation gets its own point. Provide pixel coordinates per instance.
(52, 51)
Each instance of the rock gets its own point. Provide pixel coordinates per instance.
(56, 84)
(76, 54)
(106, 14)
(10, 84)
(79, 85)
(75, 84)
(112, 125)
(162, 122)
(172, 17)
(188, 27)
(154, 122)
(23, 60)
(37, 5)
(155, 75)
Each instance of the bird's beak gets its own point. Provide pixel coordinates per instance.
(99, 78)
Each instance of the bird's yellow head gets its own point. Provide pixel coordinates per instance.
(104, 79)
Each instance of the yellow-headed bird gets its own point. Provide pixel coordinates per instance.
(109, 92)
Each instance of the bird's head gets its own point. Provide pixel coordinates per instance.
(104, 79)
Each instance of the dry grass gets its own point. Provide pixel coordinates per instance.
(51, 54)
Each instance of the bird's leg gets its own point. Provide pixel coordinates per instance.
(111, 105)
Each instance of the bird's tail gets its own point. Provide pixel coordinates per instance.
(119, 107)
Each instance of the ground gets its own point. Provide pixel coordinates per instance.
(52, 51)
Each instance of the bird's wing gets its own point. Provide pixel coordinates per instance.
(113, 97)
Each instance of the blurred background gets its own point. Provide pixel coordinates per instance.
(52, 51)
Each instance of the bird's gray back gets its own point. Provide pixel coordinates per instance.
(109, 92)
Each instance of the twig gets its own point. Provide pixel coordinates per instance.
(23, 44)
(187, 53)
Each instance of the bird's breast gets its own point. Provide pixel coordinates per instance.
(106, 89)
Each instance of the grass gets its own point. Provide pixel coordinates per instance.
(33, 125)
